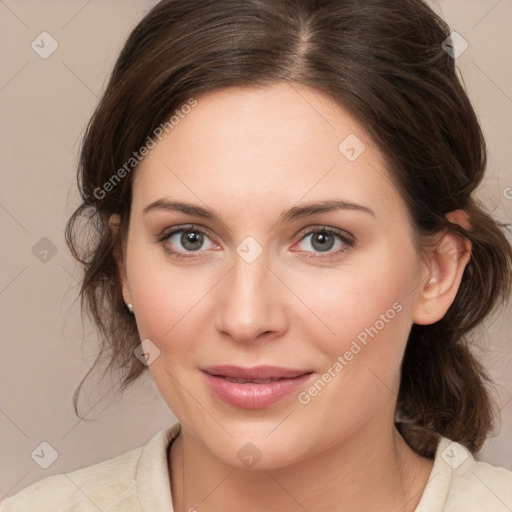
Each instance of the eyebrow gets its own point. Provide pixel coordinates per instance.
(294, 213)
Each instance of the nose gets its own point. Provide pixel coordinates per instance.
(251, 302)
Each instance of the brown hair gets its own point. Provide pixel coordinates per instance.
(381, 60)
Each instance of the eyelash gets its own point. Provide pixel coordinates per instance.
(346, 239)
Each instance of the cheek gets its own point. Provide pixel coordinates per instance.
(369, 309)
(168, 296)
(370, 314)
(369, 300)
(170, 315)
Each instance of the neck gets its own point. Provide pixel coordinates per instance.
(369, 471)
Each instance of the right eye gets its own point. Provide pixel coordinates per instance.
(191, 239)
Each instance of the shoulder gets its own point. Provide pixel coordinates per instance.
(459, 483)
(480, 486)
(90, 488)
(107, 485)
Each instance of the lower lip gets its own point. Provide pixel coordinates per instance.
(254, 396)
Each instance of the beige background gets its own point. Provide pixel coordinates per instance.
(45, 105)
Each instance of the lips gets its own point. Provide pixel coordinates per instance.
(246, 381)
(254, 388)
(255, 373)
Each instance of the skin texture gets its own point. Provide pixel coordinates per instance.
(249, 154)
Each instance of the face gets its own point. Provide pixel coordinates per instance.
(320, 300)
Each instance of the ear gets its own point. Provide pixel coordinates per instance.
(447, 262)
(114, 222)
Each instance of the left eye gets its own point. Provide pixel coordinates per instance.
(324, 240)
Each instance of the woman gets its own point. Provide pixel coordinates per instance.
(281, 198)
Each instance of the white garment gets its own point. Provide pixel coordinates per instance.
(138, 481)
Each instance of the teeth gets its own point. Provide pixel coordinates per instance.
(245, 381)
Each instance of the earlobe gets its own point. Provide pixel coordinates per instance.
(114, 223)
(447, 263)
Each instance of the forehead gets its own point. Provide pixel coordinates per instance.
(264, 146)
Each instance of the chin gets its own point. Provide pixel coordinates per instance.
(255, 449)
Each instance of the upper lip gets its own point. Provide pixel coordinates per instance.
(255, 373)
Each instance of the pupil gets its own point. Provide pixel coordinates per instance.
(193, 238)
(324, 241)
